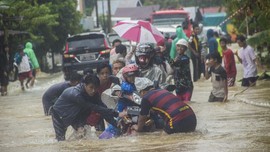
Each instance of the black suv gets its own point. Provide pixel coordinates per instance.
(85, 50)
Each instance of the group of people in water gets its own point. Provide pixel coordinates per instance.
(78, 102)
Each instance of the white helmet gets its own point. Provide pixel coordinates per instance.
(182, 42)
(142, 83)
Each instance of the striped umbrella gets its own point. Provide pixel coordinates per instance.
(138, 31)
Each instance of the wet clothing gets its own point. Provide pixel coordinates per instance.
(52, 94)
(196, 60)
(31, 54)
(154, 73)
(180, 35)
(246, 82)
(182, 77)
(218, 76)
(229, 65)
(185, 95)
(25, 75)
(73, 107)
(177, 116)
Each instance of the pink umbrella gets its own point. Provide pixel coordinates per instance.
(138, 31)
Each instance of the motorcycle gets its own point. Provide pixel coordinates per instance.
(133, 110)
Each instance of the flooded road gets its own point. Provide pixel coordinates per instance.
(242, 124)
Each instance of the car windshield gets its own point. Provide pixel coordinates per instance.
(165, 19)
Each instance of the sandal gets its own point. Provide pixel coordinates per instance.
(22, 88)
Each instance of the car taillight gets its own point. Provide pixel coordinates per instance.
(69, 56)
(104, 52)
(66, 48)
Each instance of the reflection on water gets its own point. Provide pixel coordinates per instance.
(231, 126)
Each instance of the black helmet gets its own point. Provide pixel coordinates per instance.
(144, 54)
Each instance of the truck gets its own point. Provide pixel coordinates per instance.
(166, 21)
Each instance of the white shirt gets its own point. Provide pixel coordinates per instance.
(248, 56)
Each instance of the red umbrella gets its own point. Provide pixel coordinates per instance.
(138, 31)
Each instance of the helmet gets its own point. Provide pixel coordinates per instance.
(130, 70)
(142, 83)
(144, 54)
(182, 42)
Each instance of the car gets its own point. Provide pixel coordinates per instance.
(85, 50)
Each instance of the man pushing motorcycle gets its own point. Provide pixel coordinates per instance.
(177, 115)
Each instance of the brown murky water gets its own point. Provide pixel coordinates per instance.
(242, 124)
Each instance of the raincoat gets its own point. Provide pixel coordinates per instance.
(180, 35)
(31, 54)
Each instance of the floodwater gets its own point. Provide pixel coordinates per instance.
(242, 124)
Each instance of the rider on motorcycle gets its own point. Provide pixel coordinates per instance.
(144, 57)
(129, 73)
(127, 87)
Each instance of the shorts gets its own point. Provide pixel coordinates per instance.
(185, 94)
(213, 98)
(230, 81)
(187, 124)
(251, 81)
(24, 75)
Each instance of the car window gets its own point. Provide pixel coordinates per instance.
(93, 41)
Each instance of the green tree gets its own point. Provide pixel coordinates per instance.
(254, 16)
(252, 19)
(48, 22)
(68, 19)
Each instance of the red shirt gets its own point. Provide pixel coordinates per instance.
(229, 63)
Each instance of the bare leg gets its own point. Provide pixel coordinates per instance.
(32, 82)
(22, 86)
(4, 90)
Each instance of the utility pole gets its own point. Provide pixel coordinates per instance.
(103, 16)
(97, 19)
(109, 17)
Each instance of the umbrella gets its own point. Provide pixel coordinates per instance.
(138, 31)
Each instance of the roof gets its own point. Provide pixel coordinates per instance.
(171, 11)
(103, 5)
(132, 12)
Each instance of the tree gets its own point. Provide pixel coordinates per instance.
(48, 22)
(252, 19)
(253, 15)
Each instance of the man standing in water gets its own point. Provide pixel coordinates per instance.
(248, 58)
(75, 104)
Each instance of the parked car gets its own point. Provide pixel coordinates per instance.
(85, 50)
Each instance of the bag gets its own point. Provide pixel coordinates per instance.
(13, 73)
